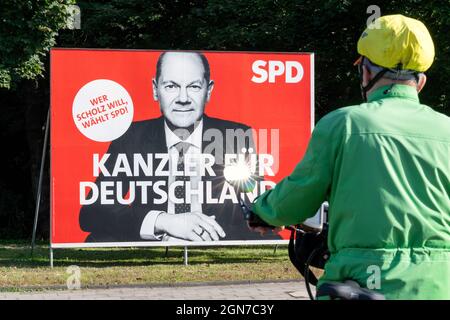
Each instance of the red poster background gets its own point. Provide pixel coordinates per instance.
(280, 105)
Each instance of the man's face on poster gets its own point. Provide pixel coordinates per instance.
(181, 89)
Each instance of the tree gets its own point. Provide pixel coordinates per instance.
(27, 31)
(329, 28)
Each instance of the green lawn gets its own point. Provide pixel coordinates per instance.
(140, 266)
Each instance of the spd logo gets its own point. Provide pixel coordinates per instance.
(274, 70)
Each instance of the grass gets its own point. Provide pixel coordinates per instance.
(140, 266)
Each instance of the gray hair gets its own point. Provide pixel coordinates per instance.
(207, 73)
(392, 73)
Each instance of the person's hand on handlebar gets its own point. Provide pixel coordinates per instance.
(263, 230)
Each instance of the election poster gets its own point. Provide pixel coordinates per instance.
(142, 142)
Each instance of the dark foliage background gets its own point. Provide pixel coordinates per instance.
(329, 28)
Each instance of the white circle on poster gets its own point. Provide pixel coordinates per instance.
(102, 110)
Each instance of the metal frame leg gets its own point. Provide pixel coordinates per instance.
(185, 256)
(51, 257)
(39, 190)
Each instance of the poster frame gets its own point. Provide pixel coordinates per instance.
(180, 243)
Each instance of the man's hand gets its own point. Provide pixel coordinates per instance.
(262, 230)
(256, 224)
(193, 226)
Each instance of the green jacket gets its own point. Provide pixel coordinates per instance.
(384, 167)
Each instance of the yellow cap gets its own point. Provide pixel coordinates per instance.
(391, 40)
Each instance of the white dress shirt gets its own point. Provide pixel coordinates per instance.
(147, 231)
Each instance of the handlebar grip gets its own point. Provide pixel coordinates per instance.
(254, 221)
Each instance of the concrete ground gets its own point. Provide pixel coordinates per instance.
(291, 290)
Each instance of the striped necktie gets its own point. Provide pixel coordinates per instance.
(180, 191)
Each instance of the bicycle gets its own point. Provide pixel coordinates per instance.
(307, 245)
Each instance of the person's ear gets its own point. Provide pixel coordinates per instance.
(367, 76)
(421, 82)
(210, 89)
(155, 90)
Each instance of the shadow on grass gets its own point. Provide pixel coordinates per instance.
(19, 256)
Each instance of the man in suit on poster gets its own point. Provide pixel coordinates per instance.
(194, 206)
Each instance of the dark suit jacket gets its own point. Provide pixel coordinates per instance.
(122, 223)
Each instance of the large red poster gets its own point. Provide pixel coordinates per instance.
(140, 140)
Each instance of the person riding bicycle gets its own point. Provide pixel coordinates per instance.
(384, 168)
